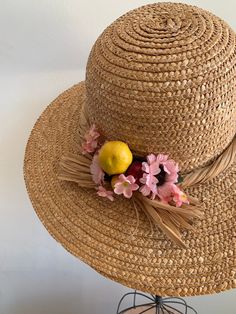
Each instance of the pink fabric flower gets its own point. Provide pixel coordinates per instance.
(125, 185)
(149, 181)
(154, 165)
(171, 168)
(149, 184)
(179, 197)
(91, 140)
(105, 193)
(170, 191)
(96, 171)
(164, 192)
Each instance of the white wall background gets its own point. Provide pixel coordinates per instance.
(43, 50)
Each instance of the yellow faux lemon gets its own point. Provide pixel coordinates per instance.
(115, 157)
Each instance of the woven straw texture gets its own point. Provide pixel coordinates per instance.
(165, 72)
(162, 79)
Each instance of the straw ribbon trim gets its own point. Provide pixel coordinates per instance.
(204, 174)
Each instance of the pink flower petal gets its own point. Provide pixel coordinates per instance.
(145, 190)
(134, 186)
(145, 167)
(91, 142)
(152, 165)
(162, 158)
(92, 133)
(125, 185)
(127, 193)
(154, 168)
(130, 178)
(153, 195)
(105, 193)
(144, 178)
(151, 158)
(179, 197)
(154, 188)
(110, 197)
(122, 178)
(170, 191)
(96, 171)
(164, 192)
(119, 189)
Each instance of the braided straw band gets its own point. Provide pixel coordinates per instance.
(169, 218)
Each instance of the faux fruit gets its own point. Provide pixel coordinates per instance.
(114, 179)
(135, 170)
(115, 157)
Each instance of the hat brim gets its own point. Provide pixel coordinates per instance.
(99, 231)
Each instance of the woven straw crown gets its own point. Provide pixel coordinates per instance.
(162, 79)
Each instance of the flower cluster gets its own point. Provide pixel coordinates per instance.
(115, 170)
(91, 140)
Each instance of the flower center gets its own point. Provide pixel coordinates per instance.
(161, 176)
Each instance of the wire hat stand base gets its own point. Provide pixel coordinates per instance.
(154, 304)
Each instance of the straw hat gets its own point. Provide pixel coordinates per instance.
(161, 79)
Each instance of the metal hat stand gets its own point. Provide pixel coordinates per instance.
(154, 305)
